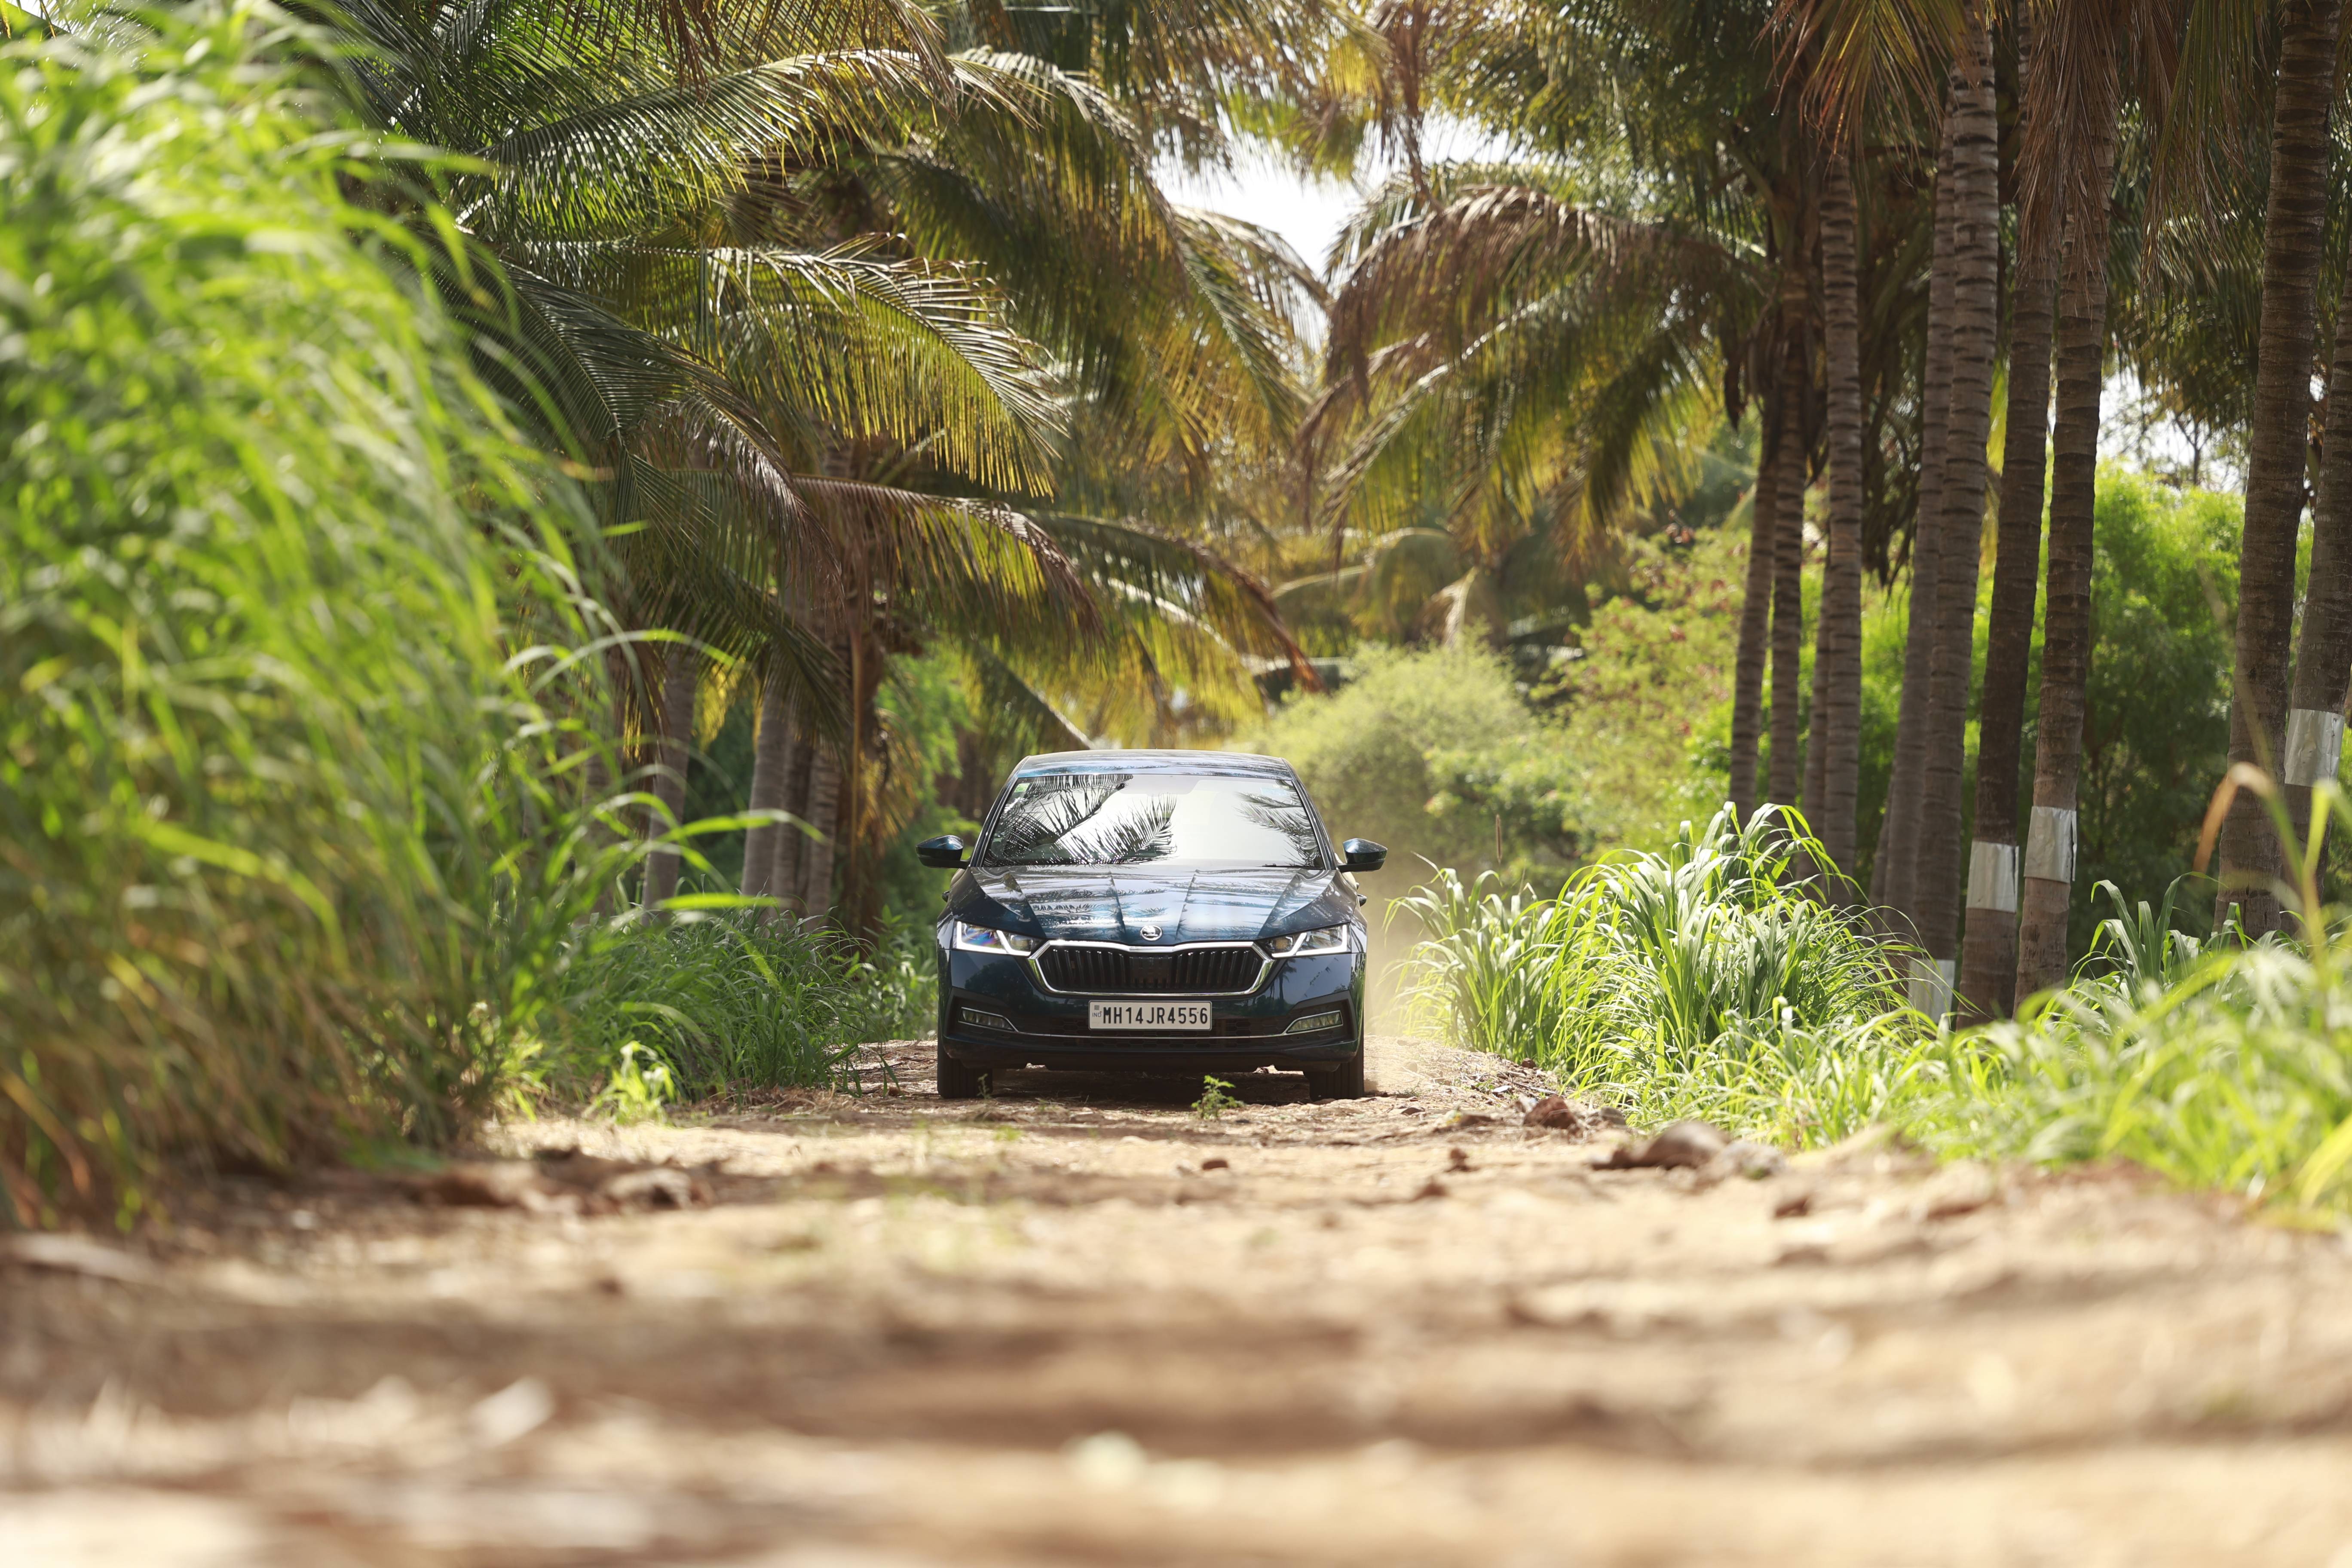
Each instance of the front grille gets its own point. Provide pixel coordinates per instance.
(1183, 972)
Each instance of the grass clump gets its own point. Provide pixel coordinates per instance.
(1708, 979)
(719, 1001)
(2221, 1065)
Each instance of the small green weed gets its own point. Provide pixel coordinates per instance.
(1216, 1099)
(638, 1087)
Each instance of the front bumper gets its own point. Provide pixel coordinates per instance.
(1049, 1029)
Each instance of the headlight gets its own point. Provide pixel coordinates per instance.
(1330, 939)
(983, 939)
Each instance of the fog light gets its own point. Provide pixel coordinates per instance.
(1312, 1022)
(980, 1020)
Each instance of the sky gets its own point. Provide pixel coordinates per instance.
(1309, 213)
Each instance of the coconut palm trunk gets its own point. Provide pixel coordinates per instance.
(1975, 200)
(1988, 944)
(1892, 886)
(2276, 464)
(813, 892)
(2322, 661)
(671, 751)
(1788, 550)
(771, 759)
(2081, 350)
(1815, 761)
(1838, 658)
(789, 860)
(1754, 610)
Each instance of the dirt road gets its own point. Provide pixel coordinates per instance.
(1080, 1324)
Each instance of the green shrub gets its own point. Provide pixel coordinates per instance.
(267, 777)
(2157, 739)
(1424, 751)
(1645, 703)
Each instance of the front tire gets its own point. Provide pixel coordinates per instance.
(1345, 1081)
(960, 1080)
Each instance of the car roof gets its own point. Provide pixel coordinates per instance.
(1241, 764)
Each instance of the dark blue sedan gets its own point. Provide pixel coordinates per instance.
(1152, 911)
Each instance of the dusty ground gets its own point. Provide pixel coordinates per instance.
(1080, 1324)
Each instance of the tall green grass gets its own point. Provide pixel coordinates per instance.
(1709, 981)
(300, 830)
(722, 1002)
(2216, 1063)
(1705, 979)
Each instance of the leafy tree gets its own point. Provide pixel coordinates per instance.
(2155, 721)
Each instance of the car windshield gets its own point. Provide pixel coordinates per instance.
(1161, 820)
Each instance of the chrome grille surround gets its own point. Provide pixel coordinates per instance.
(1113, 971)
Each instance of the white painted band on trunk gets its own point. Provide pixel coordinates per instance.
(2315, 745)
(1993, 875)
(1931, 985)
(2050, 844)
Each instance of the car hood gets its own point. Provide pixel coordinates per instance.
(1113, 904)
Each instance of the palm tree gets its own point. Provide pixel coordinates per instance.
(1975, 255)
(676, 322)
(1756, 607)
(1504, 365)
(676, 719)
(1854, 66)
(1893, 885)
(1789, 533)
(813, 346)
(1988, 949)
(1682, 98)
(1690, 105)
(2323, 659)
(2068, 179)
(2277, 447)
(772, 766)
(1839, 656)
(1175, 330)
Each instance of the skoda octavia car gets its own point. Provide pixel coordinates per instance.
(1152, 911)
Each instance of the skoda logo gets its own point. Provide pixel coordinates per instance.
(1149, 933)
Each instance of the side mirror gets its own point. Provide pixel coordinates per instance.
(1362, 855)
(944, 854)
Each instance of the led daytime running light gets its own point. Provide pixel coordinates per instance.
(1301, 944)
(987, 939)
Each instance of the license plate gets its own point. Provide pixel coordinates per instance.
(1147, 1015)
